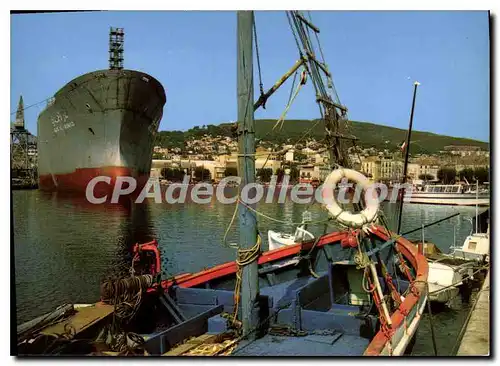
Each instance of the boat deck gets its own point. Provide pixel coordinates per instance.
(337, 344)
(82, 320)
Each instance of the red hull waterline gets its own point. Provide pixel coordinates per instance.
(79, 180)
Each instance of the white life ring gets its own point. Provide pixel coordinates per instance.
(368, 215)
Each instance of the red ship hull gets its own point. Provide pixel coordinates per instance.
(79, 180)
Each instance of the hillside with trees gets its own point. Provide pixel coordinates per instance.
(369, 135)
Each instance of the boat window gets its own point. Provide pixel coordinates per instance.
(449, 189)
(472, 245)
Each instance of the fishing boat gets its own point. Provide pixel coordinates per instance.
(330, 314)
(358, 291)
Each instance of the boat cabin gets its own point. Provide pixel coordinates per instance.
(447, 188)
(476, 247)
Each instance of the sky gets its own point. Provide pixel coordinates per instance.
(374, 57)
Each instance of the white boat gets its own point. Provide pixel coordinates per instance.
(476, 247)
(448, 194)
(278, 240)
(448, 271)
(443, 282)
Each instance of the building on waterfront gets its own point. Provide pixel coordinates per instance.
(289, 155)
(413, 171)
(463, 150)
(370, 166)
(313, 172)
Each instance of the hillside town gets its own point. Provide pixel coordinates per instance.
(214, 158)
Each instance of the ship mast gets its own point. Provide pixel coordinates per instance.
(246, 167)
(407, 156)
(334, 114)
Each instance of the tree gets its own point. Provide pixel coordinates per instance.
(280, 173)
(294, 174)
(298, 156)
(230, 172)
(265, 174)
(467, 174)
(172, 174)
(165, 172)
(482, 175)
(426, 177)
(201, 174)
(446, 175)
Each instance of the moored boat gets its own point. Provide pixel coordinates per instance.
(358, 291)
(321, 309)
(454, 194)
(102, 123)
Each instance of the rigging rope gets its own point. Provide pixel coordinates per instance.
(293, 32)
(281, 120)
(282, 221)
(261, 85)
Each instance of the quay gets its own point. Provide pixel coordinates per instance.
(476, 339)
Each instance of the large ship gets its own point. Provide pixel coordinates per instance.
(100, 124)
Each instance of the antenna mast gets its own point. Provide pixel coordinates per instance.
(116, 36)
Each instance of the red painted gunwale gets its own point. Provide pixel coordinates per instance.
(407, 249)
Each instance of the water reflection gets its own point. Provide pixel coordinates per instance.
(64, 246)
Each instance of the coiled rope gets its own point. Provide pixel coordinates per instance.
(126, 296)
(245, 257)
(123, 290)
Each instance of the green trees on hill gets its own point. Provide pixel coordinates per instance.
(368, 134)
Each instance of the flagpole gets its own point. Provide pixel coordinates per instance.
(407, 155)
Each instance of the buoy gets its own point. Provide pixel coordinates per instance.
(358, 220)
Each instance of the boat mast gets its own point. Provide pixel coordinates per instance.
(477, 198)
(246, 166)
(407, 156)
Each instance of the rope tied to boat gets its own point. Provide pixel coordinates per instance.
(245, 257)
(125, 289)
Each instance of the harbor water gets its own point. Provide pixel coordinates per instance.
(64, 246)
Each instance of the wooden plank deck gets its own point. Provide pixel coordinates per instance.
(191, 343)
(82, 320)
